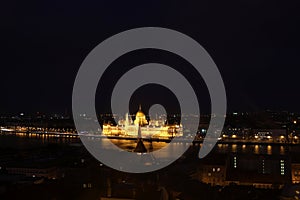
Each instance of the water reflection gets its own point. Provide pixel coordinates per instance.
(282, 150)
(269, 150)
(256, 149)
(26, 140)
(234, 148)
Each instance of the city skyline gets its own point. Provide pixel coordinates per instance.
(150, 100)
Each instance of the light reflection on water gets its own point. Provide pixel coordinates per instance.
(256, 149)
(234, 148)
(23, 142)
(130, 145)
(269, 150)
(265, 149)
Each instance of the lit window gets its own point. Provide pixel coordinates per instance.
(282, 167)
(234, 162)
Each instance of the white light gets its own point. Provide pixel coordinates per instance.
(234, 162)
(282, 170)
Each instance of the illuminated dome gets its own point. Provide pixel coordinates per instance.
(140, 118)
(139, 114)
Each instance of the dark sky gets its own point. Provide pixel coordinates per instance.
(255, 44)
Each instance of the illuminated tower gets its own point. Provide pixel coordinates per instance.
(127, 120)
(140, 118)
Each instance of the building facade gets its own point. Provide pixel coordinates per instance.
(154, 128)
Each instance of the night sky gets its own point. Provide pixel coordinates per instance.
(255, 44)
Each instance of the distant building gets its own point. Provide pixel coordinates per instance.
(295, 173)
(273, 135)
(261, 171)
(212, 171)
(47, 172)
(153, 128)
(214, 175)
(235, 133)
